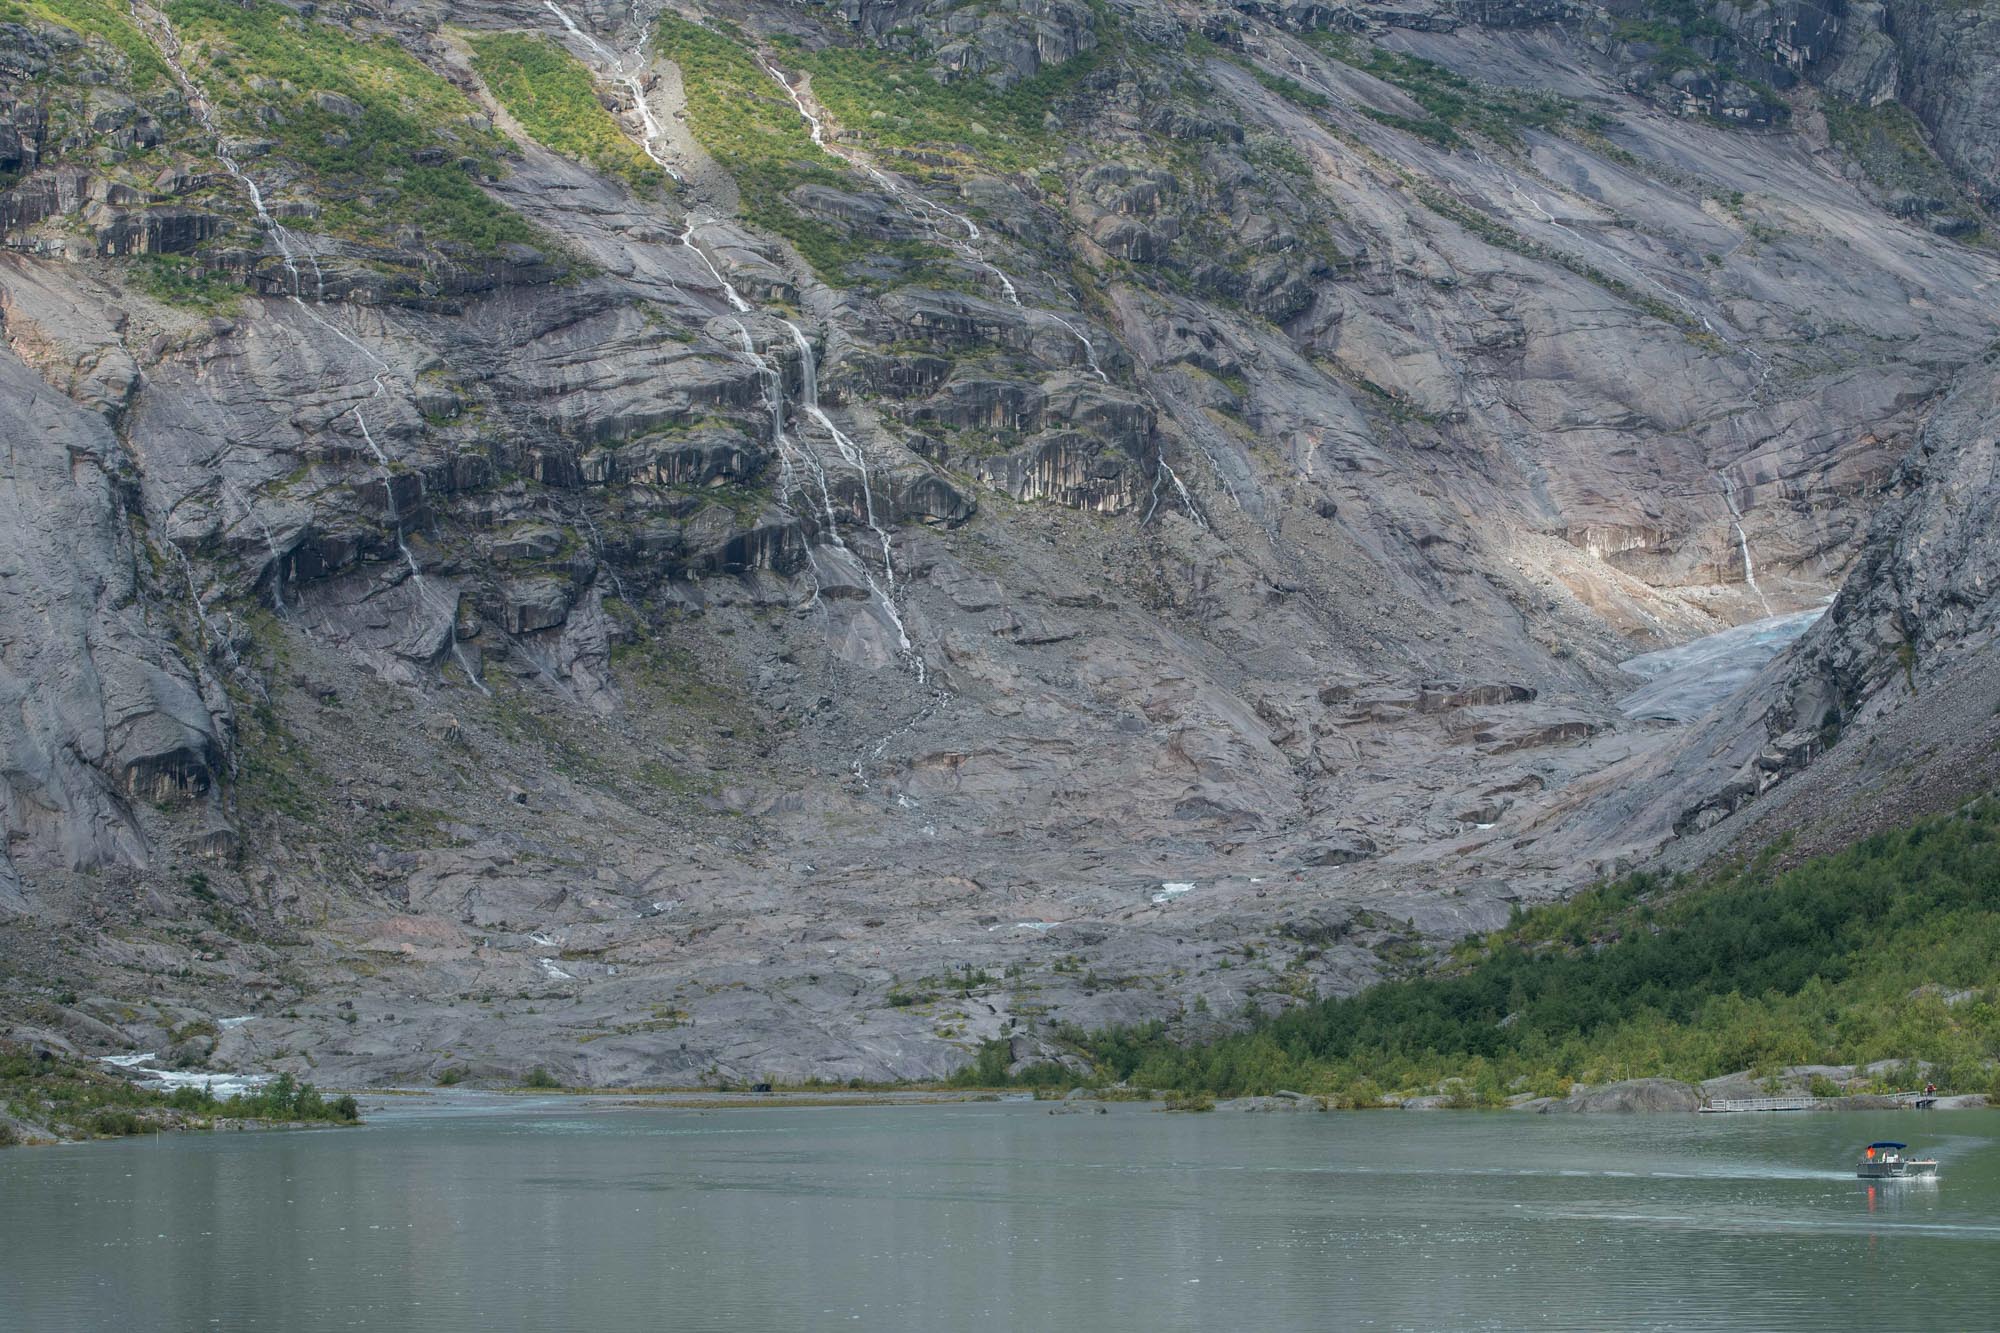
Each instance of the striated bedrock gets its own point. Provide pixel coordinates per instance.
(102, 712)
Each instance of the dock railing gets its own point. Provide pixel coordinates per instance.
(1765, 1103)
(1913, 1100)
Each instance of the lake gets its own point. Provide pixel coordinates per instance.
(501, 1213)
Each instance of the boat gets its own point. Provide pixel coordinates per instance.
(1885, 1161)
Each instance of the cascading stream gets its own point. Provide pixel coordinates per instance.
(901, 191)
(851, 452)
(1742, 540)
(166, 41)
(729, 292)
(160, 31)
(964, 248)
(797, 454)
(628, 71)
(790, 458)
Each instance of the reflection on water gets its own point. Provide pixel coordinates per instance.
(1685, 682)
(570, 1214)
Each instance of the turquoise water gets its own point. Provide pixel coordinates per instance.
(579, 1215)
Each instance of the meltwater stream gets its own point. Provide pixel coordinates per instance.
(504, 1213)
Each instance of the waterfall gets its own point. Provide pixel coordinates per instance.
(795, 454)
(628, 71)
(1742, 540)
(600, 48)
(735, 299)
(1089, 351)
(167, 42)
(597, 548)
(961, 246)
(194, 595)
(851, 452)
(425, 592)
(270, 545)
(161, 32)
(789, 457)
(964, 248)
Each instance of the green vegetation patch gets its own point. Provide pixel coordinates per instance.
(106, 20)
(1888, 950)
(751, 128)
(76, 1100)
(1888, 142)
(387, 142)
(1290, 89)
(180, 281)
(894, 101)
(1454, 104)
(553, 96)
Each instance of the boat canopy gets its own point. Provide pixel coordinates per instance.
(1888, 1145)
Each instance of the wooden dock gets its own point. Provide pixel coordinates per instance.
(1919, 1101)
(1718, 1105)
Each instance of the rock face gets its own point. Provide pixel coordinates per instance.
(1150, 536)
(1883, 706)
(1281, 1103)
(103, 713)
(1948, 72)
(1639, 1094)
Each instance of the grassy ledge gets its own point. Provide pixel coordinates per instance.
(383, 144)
(106, 20)
(553, 96)
(893, 101)
(744, 120)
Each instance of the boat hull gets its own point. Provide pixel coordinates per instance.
(1895, 1170)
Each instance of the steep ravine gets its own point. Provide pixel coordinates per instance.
(887, 580)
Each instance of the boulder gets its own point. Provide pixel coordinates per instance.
(1638, 1094)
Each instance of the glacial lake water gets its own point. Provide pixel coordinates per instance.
(558, 1215)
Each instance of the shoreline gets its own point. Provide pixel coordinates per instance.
(417, 1102)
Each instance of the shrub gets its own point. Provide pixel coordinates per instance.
(176, 280)
(1190, 1101)
(553, 96)
(406, 158)
(539, 1077)
(117, 1124)
(1839, 960)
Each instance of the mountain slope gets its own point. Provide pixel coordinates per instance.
(888, 533)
